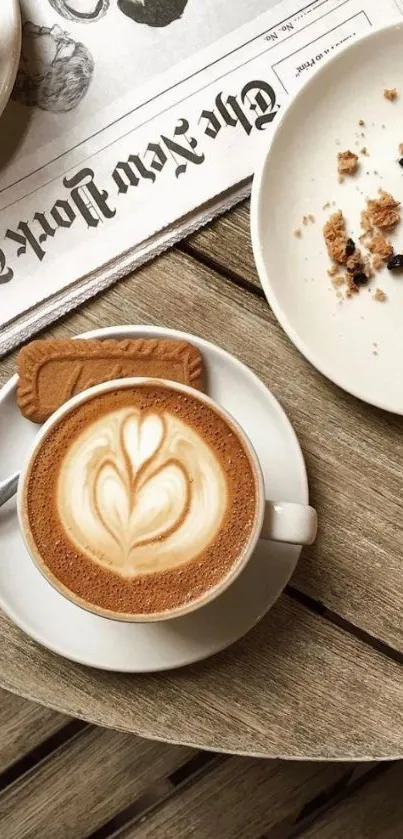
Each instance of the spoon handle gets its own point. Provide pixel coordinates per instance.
(8, 488)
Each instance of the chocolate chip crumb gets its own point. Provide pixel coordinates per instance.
(395, 262)
(359, 278)
(350, 247)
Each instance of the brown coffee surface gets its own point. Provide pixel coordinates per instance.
(151, 592)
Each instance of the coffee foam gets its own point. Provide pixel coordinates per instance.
(141, 492)
(94, 581)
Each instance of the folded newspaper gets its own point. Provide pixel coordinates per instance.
(133, 122)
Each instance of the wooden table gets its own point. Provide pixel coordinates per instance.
(320, 676)
(64, 779)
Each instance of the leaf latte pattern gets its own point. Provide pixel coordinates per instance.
(141, 492)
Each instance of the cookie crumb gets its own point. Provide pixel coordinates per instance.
(297, 232)
(377, 262)
(400, 148)
(335, 235)
(383, 212)
(364, 151)
(361, 122)
(347, 162)
(352, 288)
(308, 219)
(381, 249)
(390, 93)
(333, 270)
(340, 179)
(326, 205)
(366, 222)
(355, 262)
(379, 295)
(338, 281)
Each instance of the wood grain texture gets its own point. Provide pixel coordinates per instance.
(375, 812)
(23, 726)
(354, 453)
(84, 784)
(294, 686)
(339, 697)
(239, 799)
(226, 243)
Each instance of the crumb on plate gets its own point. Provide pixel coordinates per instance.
(383, 212)
(297, 232)
(347, 162)
(366, 222)
(379, 295)
(390, 93)
(335, 235)
(381, 250)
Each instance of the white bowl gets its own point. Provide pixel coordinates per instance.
(355, 342)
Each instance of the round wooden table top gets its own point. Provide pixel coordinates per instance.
(329, 683)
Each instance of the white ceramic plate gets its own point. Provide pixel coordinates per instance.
(10, 45)
(40, 611)
(357, 343)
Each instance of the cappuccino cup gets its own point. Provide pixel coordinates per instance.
(143, 499)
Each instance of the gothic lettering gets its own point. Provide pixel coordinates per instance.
(91, 203)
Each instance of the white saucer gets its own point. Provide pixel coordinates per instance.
(78, 635)
(10, 45)
(356, 343)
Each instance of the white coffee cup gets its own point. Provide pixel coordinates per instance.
(279, 521)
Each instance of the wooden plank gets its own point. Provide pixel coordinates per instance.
(348, 700)
(23, 726)
(294, 686)
(354, 453)
(240, 799)
(374, 812)
(84, 784)
(226, 243)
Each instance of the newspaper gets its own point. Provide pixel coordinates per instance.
(134, 122)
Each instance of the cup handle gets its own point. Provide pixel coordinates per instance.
(295, 524)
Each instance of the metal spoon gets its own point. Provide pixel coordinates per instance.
(8, 488)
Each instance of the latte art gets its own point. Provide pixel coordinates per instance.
(140, 492)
